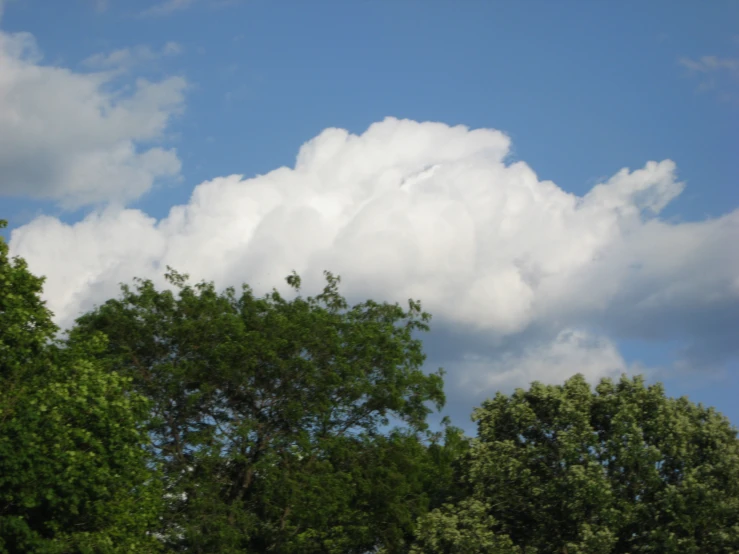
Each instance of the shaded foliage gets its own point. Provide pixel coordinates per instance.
(271, 416)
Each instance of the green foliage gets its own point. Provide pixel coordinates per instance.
(25, 322)
(462, 528)
(622, 469)
(271, 416)
(197, 421)
(73, 474)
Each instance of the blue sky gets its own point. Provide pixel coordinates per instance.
(112, 112)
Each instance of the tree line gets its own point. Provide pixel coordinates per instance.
(193, 420)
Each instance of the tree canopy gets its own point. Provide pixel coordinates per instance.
(272, 417)
(74, 476)
(619, 469)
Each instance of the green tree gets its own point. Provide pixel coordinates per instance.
(621, 469)
(272, 416)
(73, 470)
(464, 527)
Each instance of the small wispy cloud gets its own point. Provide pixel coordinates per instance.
(3, 4)
(125, 59)
(167, 7)
(710, 64)
(100, 5)
(719, 74)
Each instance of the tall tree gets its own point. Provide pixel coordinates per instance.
(271, 416)
(621, 469)
(74, 476)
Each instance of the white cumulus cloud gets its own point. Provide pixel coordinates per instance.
(76, 137)
(435, 212)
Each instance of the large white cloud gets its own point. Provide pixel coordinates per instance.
(80, 138)
(429, 211)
